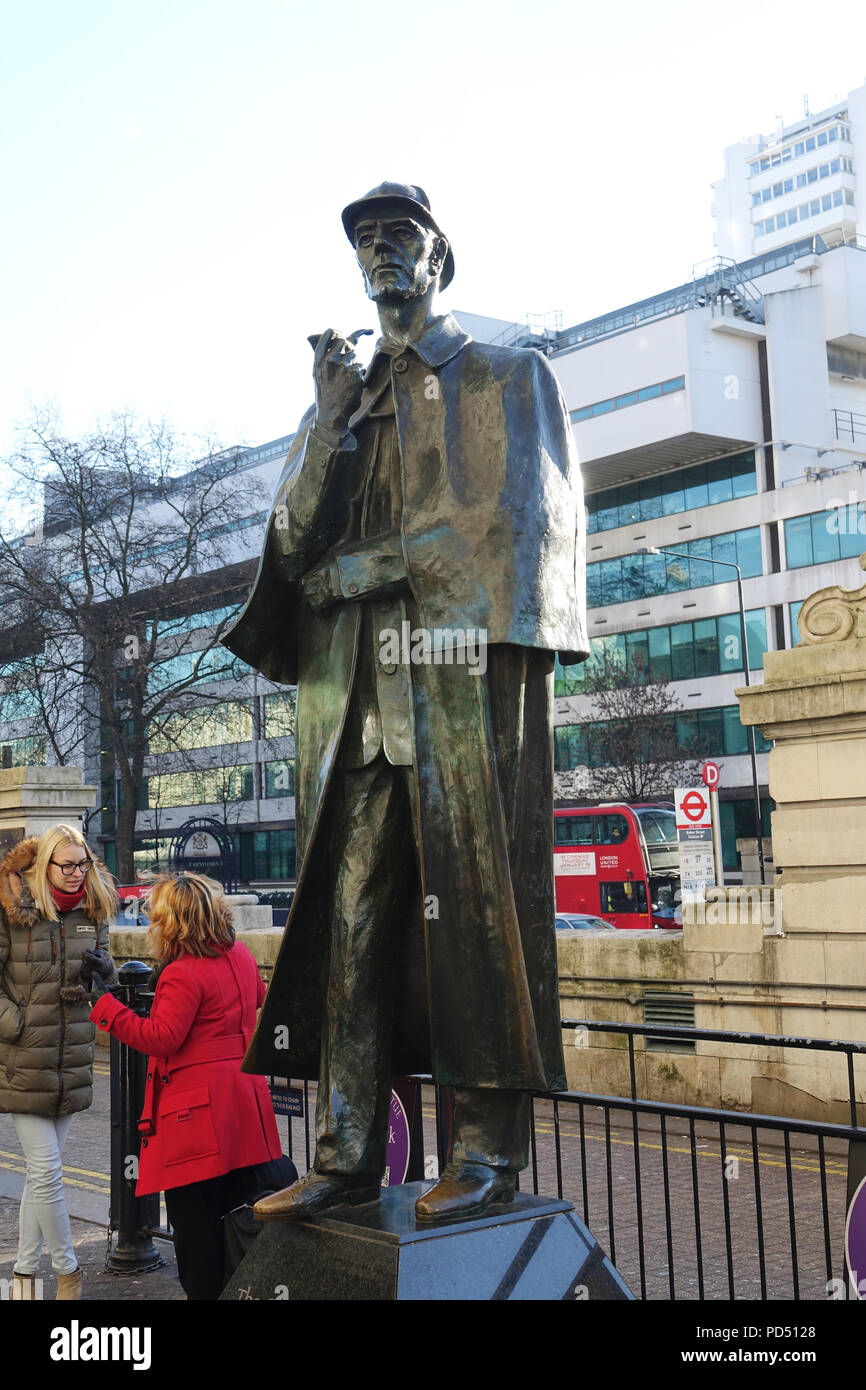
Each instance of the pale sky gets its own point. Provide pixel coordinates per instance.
(174, 173)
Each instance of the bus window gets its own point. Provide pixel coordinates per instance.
(623, 897)
(573, 830)
(610, 830)
(659, 826)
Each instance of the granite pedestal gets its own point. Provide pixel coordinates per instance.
(532, 1248)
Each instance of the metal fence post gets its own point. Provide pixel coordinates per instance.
(133, 1218)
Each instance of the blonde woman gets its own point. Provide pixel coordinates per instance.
(56, 900)
(206, 1126)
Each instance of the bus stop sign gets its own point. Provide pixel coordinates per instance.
(710, 775)
(693, 808)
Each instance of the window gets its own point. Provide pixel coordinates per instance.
(280, 714)
(214, 665)
(642, 576)
(169, 627)
(610, 829)
(659, 827)
(18, 704)
(25, 752)
(718, 480)
(572, 830)
(268, 855)
(205, 786)
(627, 399)
(205, 727)
(821, 537)
(716, 730)
(623, 897)
(569, 747)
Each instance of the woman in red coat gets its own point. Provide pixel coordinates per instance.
(204, 1122)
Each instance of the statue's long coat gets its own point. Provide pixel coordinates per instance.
(492, 537)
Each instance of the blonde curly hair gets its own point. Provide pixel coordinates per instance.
(188, 916)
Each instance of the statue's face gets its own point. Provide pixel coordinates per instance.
(399, 257)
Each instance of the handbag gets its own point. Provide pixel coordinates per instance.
(240, 1227)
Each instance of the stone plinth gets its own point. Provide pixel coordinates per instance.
(749, 863)
(248, 914)
(813, 705)
(32, 799)
(533, 1248)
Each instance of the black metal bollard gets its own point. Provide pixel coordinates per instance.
(133, 1218)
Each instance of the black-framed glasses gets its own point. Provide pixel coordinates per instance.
(68, 870)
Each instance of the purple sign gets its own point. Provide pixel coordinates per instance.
(397, 1158)
(855, 1240)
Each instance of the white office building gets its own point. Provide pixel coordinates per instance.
(800, 181)
(724, 419)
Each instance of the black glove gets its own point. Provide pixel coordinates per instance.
(98, 971)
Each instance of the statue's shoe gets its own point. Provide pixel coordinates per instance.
(314, 1193)
(465, 1190)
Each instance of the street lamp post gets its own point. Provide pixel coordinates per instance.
(729, 564)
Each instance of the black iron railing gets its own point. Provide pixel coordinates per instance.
(690, 1201)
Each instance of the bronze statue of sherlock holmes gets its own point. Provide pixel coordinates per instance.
(423, 563)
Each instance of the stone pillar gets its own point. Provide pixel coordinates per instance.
(750, 864)
(32, 799)
(813, 705)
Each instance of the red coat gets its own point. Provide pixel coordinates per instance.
(202, 1115)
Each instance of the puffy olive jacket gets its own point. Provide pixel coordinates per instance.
(46, 1037)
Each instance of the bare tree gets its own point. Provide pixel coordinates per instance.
(94, 600)
(630, 736)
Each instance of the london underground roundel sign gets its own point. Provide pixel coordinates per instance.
(694, 806)
(710, 774)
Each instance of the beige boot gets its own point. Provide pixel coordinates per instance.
(69, 1286)
(23, 1287)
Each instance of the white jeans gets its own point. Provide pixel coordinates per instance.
(43, 1214)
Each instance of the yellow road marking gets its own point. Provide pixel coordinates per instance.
(836, 1171)
(84, 1172)
(70, 1182)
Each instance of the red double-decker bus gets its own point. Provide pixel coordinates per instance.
(619, 862)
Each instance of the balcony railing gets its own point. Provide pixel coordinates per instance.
(850, 424)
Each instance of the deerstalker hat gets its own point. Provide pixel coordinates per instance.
(409, 198)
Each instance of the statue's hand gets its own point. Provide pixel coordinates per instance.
(339, 379)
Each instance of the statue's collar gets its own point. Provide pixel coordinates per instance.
(441, 340)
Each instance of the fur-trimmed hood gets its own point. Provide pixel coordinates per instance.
(15, 896)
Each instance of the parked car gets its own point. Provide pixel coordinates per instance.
(581, 921)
